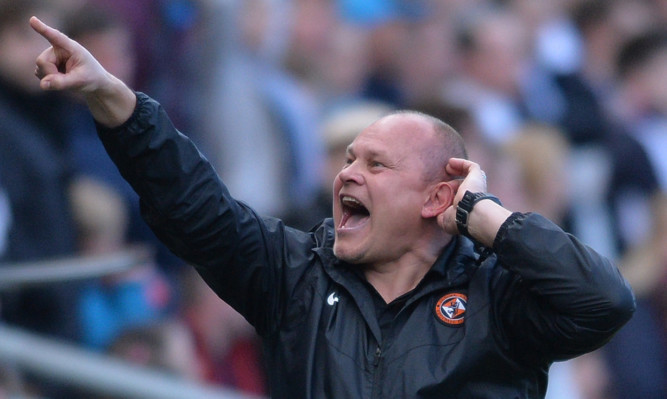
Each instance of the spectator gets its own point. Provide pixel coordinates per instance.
(35, 175)
(642, 67)
(112, 304)
(260, 98)
(543, 155)
(637, 356)
(431, 40)
(228, 350)
(164, 38)
(166, 346)
(107, 37)
(344, 68)
(611, 197)
(387, 33)
(494, 51)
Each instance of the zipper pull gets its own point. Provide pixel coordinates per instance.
(378, 355)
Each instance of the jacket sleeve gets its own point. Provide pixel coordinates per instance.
(561, 299)
(242, 256)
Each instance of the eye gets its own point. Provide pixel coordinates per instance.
(376, 164)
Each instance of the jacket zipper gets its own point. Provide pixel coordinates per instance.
(377, 362)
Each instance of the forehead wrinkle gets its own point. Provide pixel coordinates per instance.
(369, 149)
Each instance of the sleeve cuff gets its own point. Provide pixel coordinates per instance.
(140, 104)
(502, 231)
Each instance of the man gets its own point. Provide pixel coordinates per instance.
(35, 176)
(386, 300)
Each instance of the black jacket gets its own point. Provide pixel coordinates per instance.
(35, 176)
(467, 330)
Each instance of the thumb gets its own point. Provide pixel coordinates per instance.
(456, 185)
(54, 82)
(447, 220)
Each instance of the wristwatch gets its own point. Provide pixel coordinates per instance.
(465, 206)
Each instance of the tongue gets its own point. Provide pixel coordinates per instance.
(355, 219)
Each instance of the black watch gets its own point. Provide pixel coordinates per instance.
(465, 206)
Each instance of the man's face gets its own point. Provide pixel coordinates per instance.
(380, 192)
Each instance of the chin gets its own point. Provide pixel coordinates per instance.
(348, 255)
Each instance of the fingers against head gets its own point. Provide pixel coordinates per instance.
(473, 177)
(459, 166)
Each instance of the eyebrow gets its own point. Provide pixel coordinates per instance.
(371, 153)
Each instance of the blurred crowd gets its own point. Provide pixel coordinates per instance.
(562, 102)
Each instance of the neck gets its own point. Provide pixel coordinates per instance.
(395, 278)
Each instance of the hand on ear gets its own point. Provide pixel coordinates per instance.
(470, 178)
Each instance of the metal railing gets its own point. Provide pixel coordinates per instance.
(75, 366)
(98, 373)
(19, 275)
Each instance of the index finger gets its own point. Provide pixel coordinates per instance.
(460, 167)
(54, 36)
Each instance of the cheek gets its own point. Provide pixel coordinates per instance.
(400, 212)
(336, 183)
(336, 186)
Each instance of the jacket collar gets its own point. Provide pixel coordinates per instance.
(456, 263)
(453, 268)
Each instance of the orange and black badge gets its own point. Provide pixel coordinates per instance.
(450, 309)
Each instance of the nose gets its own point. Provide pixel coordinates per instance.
(351, 173)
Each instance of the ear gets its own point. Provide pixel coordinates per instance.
(440, 197)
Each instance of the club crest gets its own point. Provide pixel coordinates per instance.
(451, 308)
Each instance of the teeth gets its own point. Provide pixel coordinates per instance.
(349, 201)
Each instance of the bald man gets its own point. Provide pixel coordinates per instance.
(389, 298)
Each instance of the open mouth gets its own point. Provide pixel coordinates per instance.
(354, 212)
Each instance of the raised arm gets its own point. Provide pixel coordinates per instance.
(487, 216)
(244, 257)
(565, 298)
(67, 65)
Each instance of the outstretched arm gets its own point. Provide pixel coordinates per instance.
(67, 65)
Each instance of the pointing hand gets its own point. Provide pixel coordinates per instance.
(66, 65)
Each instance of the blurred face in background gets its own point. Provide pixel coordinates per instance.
(19, 47)
(499, 53)
(113, 49)
(428, 58)
(654, 77)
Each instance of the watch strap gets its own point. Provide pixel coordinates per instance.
(465, 206)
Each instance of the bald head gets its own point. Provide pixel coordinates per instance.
(443, 143)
